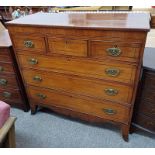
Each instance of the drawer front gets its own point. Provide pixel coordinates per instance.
(29, 43)
(115, 50)
(147, 108)
(12, 95)
(78, 85)
(67, 46)
(149, 80)
(6, 68)
(107, 110)
(148, 94)
(8, 81)
(5, 55)
(110, 71)
(146, 122)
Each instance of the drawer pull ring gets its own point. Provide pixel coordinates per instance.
(1, 69)
(37, 78)
(112, 72)
(109, 111)
(41, 96)
(114, 51)
(33, 61)
(111, 91)
(3, 82)
(6, 94)
(28, 44)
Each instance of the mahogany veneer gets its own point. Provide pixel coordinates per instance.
(11, 86)
(153, 21)
(82, 65)
(144, 111)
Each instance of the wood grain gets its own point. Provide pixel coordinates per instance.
(69, 72)
(89, 106)
(78, 85)
(112, 21)
(90, 68)
(9, 75)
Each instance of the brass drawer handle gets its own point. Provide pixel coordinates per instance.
(109, 111)
(1, 69)
(3, 82)
(28, 44)
(37, 78)
(111, 91)
(6, 94)
(114, 51)
(112, 72)
(33, 61)
(41, 96)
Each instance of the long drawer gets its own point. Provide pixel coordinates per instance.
(12, 95)
(146, 122)
(79, 85)
(4, 55)
(6, 68)
(107, 110)
(106, 70)
(147, 108)
(148, 94)
(8, 81)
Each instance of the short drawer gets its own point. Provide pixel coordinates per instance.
(116, 50)
(8, 81)
(29, 43)
(6, 68)
(12, 95)
(5, 55)
(106, 110)
(79, 85)
(67, 46)
(146, 122)
(107, 70)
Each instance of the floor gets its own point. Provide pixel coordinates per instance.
(49, 130)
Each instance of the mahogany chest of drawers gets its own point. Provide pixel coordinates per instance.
(153, 21)
(82, 65)
(144, 111)
(11, 85)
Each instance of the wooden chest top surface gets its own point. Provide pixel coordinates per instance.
(106, 21)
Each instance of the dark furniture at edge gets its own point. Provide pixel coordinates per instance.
(144, 111)
(12, 89)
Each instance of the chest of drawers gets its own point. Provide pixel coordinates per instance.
(144, 111)
(82, 65)
(11, 85)
(153, 21)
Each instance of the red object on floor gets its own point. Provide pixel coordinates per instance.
(4, 112)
